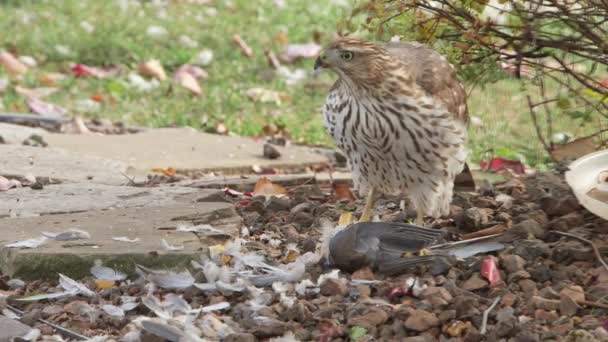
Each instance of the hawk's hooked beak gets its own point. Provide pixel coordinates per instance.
(319, 64)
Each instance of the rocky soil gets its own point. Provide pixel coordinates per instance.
(551, 287)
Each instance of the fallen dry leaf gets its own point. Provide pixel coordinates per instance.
(104, 283)
(187, 81)
(12, 65)
(75, 126)
(194, 71)
(343, 192)
(153, 68)
(281, 37)
(35, 93)
(265, 95)
(46, 109)
(51, 78)
(500, 164)
(265, 186)
(169, 171)
(294, 52)
(489, 270)
(86, 70)
(245, 49)
(6, 184)
(574, 149)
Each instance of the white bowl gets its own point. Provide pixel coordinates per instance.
(582, 176)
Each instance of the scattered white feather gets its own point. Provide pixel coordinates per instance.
(213, 328)
(53, 295)
(288, 337)
(170, 247)
(69, 235)
(302, 287)
(171, 280)
(216, 307)
(9, 314)
(102, 272)
(113, 311)
(125, 239)
(334, 274)
(71, 285)
(32, 335)
(201, 228)
(30, 243)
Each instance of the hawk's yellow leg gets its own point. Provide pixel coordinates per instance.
(419, 217)
(369, 205)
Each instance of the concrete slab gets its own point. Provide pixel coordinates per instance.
(247, 183)
(185, 149)
(60, 164)
(15, 134)
(149, 224)
(10, 328)
(79, 197)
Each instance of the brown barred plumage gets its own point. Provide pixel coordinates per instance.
(399, 114)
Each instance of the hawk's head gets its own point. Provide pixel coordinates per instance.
(355, 59)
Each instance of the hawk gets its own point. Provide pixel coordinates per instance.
(399, 114)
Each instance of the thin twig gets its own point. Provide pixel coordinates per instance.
(484, 322)
(594, 304)
(595, 250)
(63, 331)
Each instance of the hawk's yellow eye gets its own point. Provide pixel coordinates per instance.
(346, 55)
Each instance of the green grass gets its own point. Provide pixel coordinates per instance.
(36, 28)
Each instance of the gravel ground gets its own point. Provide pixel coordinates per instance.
(548, 286)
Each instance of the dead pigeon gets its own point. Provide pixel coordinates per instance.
(393, 248)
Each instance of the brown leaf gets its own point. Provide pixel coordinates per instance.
(281, 37)
(46, 109)
(574, 149)
(75, 126)
(245, 49)
(35, 93)
(294, 52)
(153, 68)
(194, 71)
(12, 65)
(343, 192)
(170, 171)
(272, 59)
(51, 78)
(188, 81)
(104, 283)
(265, 186)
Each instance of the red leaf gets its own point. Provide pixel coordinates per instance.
(489, 270)
(500, 164)
(83, 70)
(398, 292)
(604, 83)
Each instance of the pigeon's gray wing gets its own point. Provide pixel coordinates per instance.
(396, 237)
(390, 264)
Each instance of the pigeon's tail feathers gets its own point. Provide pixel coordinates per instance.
(395, 266)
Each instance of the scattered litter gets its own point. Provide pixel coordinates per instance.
(489, 270)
